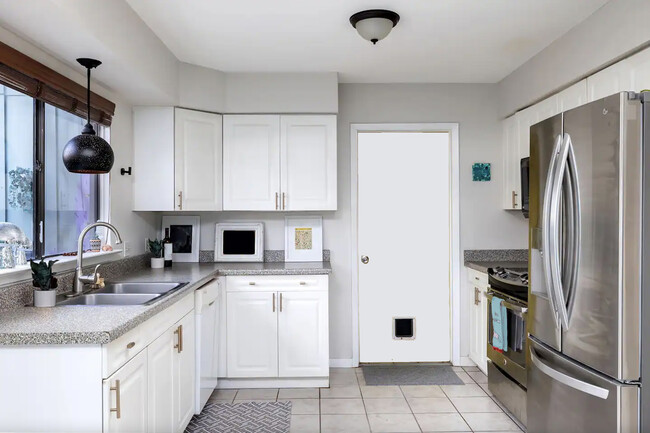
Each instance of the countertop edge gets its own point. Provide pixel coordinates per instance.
(106, 336)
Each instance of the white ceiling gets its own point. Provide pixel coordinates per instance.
(445, 41)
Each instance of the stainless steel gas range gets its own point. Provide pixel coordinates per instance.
(507, 368)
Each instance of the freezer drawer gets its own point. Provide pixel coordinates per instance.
(566, 397)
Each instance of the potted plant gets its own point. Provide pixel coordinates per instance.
(45, 283)
(156, 249)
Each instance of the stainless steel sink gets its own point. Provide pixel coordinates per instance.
(111, 299)
(144, 287)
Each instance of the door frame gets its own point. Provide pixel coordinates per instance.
(455, 259)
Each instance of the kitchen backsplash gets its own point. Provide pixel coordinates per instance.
(496, 255)
(206, 256)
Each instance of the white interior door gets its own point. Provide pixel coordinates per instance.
(404, 205)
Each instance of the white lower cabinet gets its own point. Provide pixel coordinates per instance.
(252, 334)
(126, 399)
(478, 317)
(277, 327)
(303, 343)
(140, 382)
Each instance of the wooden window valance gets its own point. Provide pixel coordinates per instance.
(28, 76)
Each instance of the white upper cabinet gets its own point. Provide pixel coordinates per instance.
(572, 97)
(251, 162)
(198, 160)
(274, 162)
(153, 158)
(639, 65)
(511, 171)
(616, 78)
(176, 159)
(308, 162)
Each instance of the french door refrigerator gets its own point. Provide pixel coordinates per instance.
(589, 303)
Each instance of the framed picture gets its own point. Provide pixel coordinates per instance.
(239, 242)
(185, 233)
(303, 239)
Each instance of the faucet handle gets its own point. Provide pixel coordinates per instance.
(96, 274)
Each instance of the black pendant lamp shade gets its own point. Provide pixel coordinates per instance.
(88, 153)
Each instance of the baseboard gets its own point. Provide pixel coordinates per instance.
(307, 382)
(466, 361)
(341, 363)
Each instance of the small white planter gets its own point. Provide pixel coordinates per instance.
(44, 298)
(157, 262)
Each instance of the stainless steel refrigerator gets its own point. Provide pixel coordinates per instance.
(588, 302)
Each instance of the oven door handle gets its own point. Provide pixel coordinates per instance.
(509, 305)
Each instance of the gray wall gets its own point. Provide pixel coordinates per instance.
(483, 223)
(615, 29)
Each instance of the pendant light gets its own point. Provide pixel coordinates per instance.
(88, 153)
(375, 24)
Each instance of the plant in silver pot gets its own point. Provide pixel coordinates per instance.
(156, 249)
(45, 283)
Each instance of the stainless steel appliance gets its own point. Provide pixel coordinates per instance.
(588, 204)
(507, 369)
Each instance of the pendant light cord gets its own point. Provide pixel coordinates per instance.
(88, 98)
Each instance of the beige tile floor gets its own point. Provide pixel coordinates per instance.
(349, 406)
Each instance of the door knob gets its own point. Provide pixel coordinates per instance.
(365, 260)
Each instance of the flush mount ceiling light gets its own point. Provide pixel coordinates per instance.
(88, 153)
(375, 24)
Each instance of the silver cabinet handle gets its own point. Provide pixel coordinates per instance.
(180, 200)
(476, 295)
(179, 332)
(365, 259)
(567, 380)
(276, 200)
(514, 200)
(117, 409)
(284, 201)
(273, 303)
(280, 302)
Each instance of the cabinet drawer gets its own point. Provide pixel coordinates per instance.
(274, 283)
(478, 279)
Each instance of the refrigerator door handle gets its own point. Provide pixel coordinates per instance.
(546, 229)
(567, 380)
(576, 228)
(555, 232)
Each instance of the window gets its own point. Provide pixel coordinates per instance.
(50, 205)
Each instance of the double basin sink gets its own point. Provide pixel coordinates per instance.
(125, 293)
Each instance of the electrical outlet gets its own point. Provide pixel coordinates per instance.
(146, 245)
(127, 248)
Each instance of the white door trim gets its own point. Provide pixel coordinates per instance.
(452, 129)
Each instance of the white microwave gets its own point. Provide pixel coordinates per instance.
(239, 242)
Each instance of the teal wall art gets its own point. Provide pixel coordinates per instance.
(481, 172)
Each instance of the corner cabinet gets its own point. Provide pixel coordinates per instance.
(279, 162)
(143, 381)
(277, 331)
(478, 318)
(177, 159)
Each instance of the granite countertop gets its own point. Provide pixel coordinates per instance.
(83, 324)
(482, 266)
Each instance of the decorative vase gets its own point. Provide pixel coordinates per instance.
(44, 298)
(157, 262)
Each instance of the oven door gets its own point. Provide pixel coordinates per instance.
(513, 360)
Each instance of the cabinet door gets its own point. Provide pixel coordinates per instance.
(640, 70)
(614, 79)
(572, 97)
(511, 169)
(252, 341)
(198, 160)
(183, 375)
(251, 162)
(153, 159)
(160, 356)
(308, 162)
(483, 330)
(303, 337)
(474, 326)
(125, 397)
